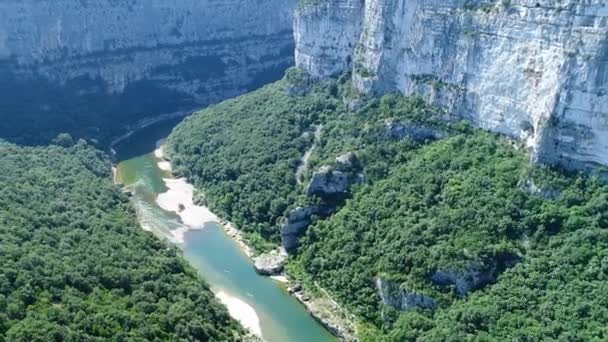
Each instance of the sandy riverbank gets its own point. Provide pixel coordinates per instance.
(242, 312)
(179, 198)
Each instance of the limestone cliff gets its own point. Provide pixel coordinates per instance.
(533, 70)
(202, 51)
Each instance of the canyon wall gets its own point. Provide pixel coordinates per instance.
(141, 57)
(533, 70)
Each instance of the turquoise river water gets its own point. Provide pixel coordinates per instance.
(210, 250)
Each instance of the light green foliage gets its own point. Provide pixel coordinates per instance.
(75, 266)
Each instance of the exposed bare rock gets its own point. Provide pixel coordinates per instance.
(476, 276)
(401, 299)
(297, 222)
(532, 70)
(331, 181)
(419, 133)
(270, 263)
(328, 182)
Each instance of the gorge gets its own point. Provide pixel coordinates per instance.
(429, 170)
(92, 68)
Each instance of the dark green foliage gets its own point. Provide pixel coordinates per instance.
(75, 266)
(468, 200)
(457, 202)
(447, 205)
(243, 153)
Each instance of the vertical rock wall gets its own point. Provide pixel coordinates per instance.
(533, 70)
(194, 52)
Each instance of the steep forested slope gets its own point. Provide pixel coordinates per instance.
(458, 207)
(243, 153)
(452, 235)
(74, 264)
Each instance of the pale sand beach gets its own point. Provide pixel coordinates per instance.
(164, 165)
(179, 199)
(159, 152)
(242, 312)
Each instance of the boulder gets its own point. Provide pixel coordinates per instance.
(270, 263)
(393, 295)
(297, 288)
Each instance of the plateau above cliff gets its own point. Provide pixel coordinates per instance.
(533, 70)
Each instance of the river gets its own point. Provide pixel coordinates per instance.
(217, 257)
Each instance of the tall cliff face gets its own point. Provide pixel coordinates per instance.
(189, 52)
(534, 70)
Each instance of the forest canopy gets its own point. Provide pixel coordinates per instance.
(473, 241)
(75, 266)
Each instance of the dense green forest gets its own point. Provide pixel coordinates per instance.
(467, 205)
(243, 151)
(75, 266)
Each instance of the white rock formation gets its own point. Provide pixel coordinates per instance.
(207, 50)
(64, 39)
(533, 70)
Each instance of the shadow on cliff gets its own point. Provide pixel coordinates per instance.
(33, 110)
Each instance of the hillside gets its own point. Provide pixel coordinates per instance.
(424, 227)
(76, 266)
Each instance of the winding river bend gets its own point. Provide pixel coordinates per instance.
(218, 258)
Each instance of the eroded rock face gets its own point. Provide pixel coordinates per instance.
(533, 70)
(297, 222)
(464, 282)
(334, 181)
(392, 295)
(476, 276)
(328, 182)
(204, 50)
(419, 133)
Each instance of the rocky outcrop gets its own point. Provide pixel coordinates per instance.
(331, 181)
(475, 276)
(270, 263)
(328, 182)
(397, 130)
(400, 299)
(189, 52)
(465, 281)
(298, 221)
(533, 70)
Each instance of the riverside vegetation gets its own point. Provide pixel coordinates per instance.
(76, 266)
(496, 247)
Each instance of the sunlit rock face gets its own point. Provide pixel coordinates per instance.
(195, 51)
(533, 70)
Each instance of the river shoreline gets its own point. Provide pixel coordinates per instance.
(179, 199)
(323, 309)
